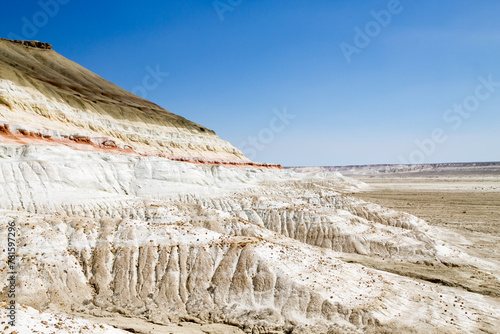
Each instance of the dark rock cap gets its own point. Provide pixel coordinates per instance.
(32, 44)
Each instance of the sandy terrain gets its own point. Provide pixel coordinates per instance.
(465, 209)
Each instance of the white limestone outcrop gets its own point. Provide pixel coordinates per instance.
(260, 249)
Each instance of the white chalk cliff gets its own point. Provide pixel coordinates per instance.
(106, 232)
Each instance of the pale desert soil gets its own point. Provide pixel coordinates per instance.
(465, 208)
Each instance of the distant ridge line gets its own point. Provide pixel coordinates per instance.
(444, 164)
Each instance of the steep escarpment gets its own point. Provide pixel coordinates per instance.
(166, 241)
(48, 99)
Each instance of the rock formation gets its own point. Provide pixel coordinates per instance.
(46, 98)
(104, 232)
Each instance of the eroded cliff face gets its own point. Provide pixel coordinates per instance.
(164, 241)
(46, 98)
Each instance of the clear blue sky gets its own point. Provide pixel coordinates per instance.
(232, 62)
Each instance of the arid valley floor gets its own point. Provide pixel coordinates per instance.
(464, 202)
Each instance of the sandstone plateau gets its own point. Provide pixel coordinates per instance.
(111, 227)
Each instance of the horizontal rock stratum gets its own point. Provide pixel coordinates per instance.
(46, 98)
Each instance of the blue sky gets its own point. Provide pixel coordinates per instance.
(233, 65)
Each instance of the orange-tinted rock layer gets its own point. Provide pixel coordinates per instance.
(83, 143)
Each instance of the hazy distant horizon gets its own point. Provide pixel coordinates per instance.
(427, 163)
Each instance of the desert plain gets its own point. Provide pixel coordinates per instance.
(463, 203)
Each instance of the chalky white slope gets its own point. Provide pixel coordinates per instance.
(260, 249)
